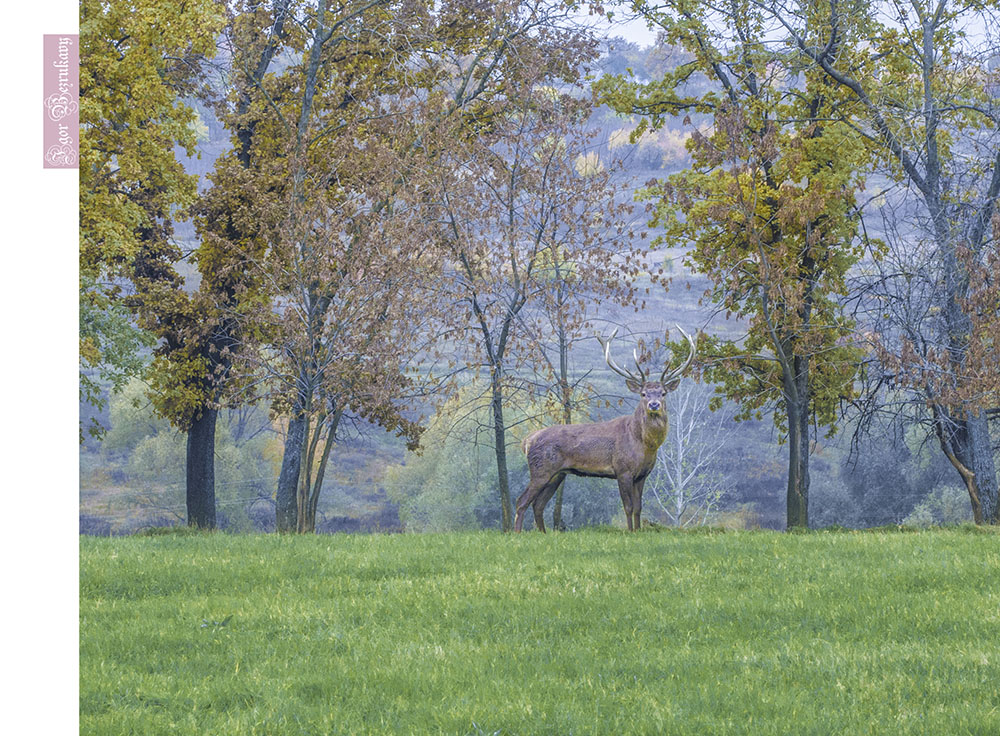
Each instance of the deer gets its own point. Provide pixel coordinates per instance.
(623, 448)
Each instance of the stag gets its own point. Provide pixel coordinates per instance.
(623, 448)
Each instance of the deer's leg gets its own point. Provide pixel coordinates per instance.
(535, 487)
(539, 504)
(637, 489)
(625, 491)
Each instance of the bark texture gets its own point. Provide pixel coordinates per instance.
(201, 471)
(286, 506)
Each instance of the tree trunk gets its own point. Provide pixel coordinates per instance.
(500, 440)
(970, 448)
(966, 443)
(798, 468)
(969, 435)
(201, 470)
(286, 512)
(557, 522)
(797, 408)
(305, 471)
(312, 486)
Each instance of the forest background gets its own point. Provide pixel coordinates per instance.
(870, 468)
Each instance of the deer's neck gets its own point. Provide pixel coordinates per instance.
(650, 430)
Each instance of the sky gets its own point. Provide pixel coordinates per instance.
(631, 30)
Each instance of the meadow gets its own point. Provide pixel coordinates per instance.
(590, 632)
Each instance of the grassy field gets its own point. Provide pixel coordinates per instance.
(594, 632)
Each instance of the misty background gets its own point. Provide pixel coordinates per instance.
(712, 469)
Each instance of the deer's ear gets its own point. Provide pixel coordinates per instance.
(672, 385)
(633, 386)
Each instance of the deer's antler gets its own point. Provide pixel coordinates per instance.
(606, 344)
(669, 375)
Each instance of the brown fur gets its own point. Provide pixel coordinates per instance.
(623, 448)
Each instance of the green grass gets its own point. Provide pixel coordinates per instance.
(595, 632)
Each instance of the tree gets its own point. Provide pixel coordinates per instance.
(343, 142)
(686, 488)
(297, 316)
(768, 207)
(565, 324)
(917, 90)
(321, 327)
(130, 179)
(139, 60)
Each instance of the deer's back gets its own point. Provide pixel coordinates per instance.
(583, 449)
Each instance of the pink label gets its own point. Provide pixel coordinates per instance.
(61, 92)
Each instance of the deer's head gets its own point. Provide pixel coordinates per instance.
(653, 394)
